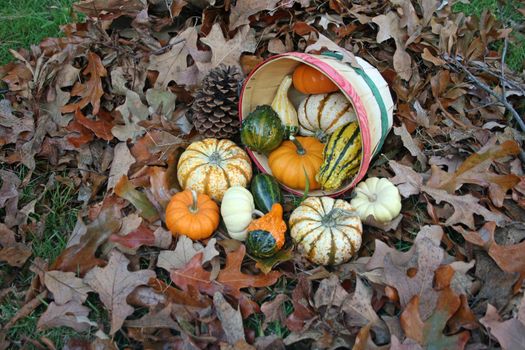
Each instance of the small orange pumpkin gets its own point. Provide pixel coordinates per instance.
(309, 80)
(193, 215)
(266, 234)
(290, 161)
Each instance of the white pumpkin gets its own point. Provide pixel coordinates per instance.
(378, 198)
(320, 115)
(237, 208)
(325, 230)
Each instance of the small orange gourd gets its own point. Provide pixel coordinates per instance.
(309, 80)
(296, 160)
(266, 234)
(193, 215)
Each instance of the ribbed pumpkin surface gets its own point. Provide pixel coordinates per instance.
(342, 157)
(212, 166)
(326, 231)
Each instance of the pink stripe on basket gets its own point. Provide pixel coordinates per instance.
(348, 89)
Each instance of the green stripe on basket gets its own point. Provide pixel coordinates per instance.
(377, 95)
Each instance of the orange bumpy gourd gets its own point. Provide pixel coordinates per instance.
(193, 215)
(294, 159)
(309, 80)
(272, 222)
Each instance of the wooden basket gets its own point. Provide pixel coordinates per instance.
(365, 88)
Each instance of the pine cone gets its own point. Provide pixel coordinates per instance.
(214, 110)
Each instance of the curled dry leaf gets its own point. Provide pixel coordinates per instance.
(510, 333)
(231, 319)
(125, 189)
(114, 283)
(72, 314)
(185, 250)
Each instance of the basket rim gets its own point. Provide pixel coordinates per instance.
(347, 90)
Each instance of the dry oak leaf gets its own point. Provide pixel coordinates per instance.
(303, 314)
(227, 52)
(80, 257)
(231, 319)
(464, 208)
(273, 310)
(109, 9)
(66, 287)
(185, 250)
(11, 251)
(192, 297)
(122, 161)
(155, 319)
(510, 333)
(410, 144)
(140, 236)
(245, 8)
(229, 281)
(429, 333)
(125, 189)
(101, 128)
(476, 170)
(114, 283)
(91, 91)
(408, 181)
(71, 314)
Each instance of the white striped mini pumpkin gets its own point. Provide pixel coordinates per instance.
(320, 115)
(211, 166)
(325, 230)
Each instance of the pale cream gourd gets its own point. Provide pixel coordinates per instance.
(284, 108)
(211, 166)
(378, 198)
(237, 210)
(320, 115)
(325, 230)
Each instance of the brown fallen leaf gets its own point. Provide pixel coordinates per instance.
(122, 161)
(411, 145)
(101, 128)
(231, 319)
(109, 9)
(190, 298)
(510, 333)
(476, 170)
(144, 296)
(408, 181)
(464, 208)
(91, 91)
(129, 243)
(125, 189)
(66, 287)
(229, 281)
(245, 8)
(155, 319)
(303, 314)
(185, 250)
(80, 258)
(273, 310)
(72, 314)
(114, 283)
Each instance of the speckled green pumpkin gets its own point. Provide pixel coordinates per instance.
(266, 192)
(261, 244)
(262, 130)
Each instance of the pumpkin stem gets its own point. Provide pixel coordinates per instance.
(193, 208)
(257, 213)
(334, 215)
(300, 149)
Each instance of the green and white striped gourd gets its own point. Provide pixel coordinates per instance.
(320, 115)
(342, 157)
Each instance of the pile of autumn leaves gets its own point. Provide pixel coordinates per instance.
(74, 97)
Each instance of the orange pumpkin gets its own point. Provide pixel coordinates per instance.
(309, 80)
(290, 161)
(193, 215)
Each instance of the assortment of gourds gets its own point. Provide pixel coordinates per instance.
(317, 146)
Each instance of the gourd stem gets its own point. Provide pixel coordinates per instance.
(257, 213)
(300, 149)
(193, 208)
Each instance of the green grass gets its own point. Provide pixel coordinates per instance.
(27, 22)
(506, 12)
(58, 207)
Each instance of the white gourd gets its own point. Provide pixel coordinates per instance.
(325, 230)
(284, 108)
(320, 115)
(377, 197)
(237, 209)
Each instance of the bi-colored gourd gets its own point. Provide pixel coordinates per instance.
(266, 234)
(309, 80)
(297, 160)
(211, 166)
(342, 157)
(237, 209)
(378, 198)
(266, 192)
(326, 231)
(262, 131)
(284, 108)
(321, 115)
(192, 214)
